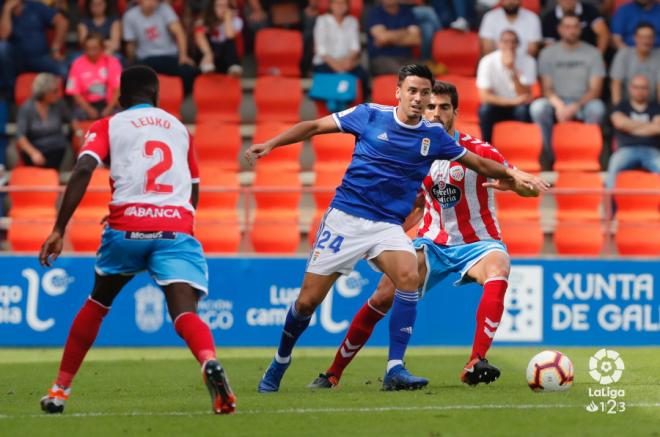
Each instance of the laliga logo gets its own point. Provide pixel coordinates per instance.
(347, 286)
(606, 366)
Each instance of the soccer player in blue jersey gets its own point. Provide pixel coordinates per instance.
(394, 151)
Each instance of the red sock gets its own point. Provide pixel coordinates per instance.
(84, 330)
(197, 335)
(358, 333)
(489, 315)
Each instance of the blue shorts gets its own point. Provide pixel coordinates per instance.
(443, 260)
(169, 257)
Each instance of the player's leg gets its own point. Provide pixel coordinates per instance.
(83, 332)
(491, 271)
(314, 289)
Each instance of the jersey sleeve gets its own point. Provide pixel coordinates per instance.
(487, 151)
(192, 161)
(353, 120)
(97, 142)
(449, 149)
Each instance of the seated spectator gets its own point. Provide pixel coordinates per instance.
(637, 130)
(505, 78)
(455, 14)
(39, 124)
(511, 15)
(392, 33)
(572, 74)
(289, 14)
(94, 81)
(628, 16)
(428, 22)
(154, 37)
(23, 42)
(100, 18)
(631, 61)
(594, 28)
(215, 37)
(337, 43)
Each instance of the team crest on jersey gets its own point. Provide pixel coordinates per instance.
(457, 173)
(346, 111)
(89, 137)
(448, 195)
(426, 146)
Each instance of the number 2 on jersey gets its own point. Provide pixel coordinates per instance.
(161, 167)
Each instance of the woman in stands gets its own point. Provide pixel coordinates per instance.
(100, 18)
(40, 137)
(215, 37)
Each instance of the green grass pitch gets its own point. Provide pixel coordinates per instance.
(159, 392)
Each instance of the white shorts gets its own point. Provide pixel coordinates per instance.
(343, 239)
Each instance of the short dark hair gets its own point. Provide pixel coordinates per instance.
(138, 84)
(418, 70)
(446, 89)
(568, 15)
(95, 36)
(644, 25)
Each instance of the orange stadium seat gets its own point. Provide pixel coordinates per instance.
(532, 5)
(322, 108)
(94, 204)
(638, 238)
(520, 143)
(218, 237)
(218, 205)
(276, 205)
(579, 238)
(23, 87)
(327, 179)
(468, 102)
(458, 51)
(511, 206)
(287, 157)
(579, 206)
(638, 207)
(354, 7)
(522, 237)
(218, 144)
(383, 88)
(314, 227)
(28, 236)
(278, 52)
(278, 99)
(171, 94)
(218, 98)
(333, 150)
(281, 237)
(470, 128)
(33, 204)
(85, 235)
(577, 146)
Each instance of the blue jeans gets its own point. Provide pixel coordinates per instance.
(632, 158)
(13, 63)
(429, 24)
(458, 8)
(491, 114)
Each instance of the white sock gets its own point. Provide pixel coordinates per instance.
(282, 360)
(392, 363)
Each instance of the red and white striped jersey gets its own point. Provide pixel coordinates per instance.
(152, 169)
(458, 209)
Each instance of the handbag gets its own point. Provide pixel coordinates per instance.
(338, 90)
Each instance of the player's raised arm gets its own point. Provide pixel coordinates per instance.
(296, 133)
(75, 190)
(492, 169)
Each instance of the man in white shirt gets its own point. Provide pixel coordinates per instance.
(511, 16)
(505, 78)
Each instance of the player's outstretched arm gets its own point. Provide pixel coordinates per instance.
(75, 190)
(495, 170)
(296, 133)
(510, 184)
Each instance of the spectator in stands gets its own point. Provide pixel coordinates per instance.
(594, 28)
(637, 129)
(392, 32)
(572, 74)
(511, 15)
(215, 37)
(455, 14)
(23, 42)
(100, 18)
(628, 16)
(154, 37)
(337, 43)
(40, 121)
(94, 81)
(428, 22)
(631, 61)
(289, 14)
(505, 78)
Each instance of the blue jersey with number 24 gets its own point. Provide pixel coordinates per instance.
(389, 162)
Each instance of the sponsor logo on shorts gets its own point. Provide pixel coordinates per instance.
(152, 212)
(448, 195)
(457, 173)
(160, 235)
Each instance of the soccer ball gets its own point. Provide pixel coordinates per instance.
(550, 371)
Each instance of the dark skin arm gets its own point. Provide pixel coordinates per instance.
(75, 190)
(194, 195)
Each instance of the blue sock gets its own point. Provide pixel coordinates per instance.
(294, 326)
(402, 320)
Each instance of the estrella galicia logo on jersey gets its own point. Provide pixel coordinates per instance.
(426, 146)
(457, 173)
(346, 111)
(448, 195)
